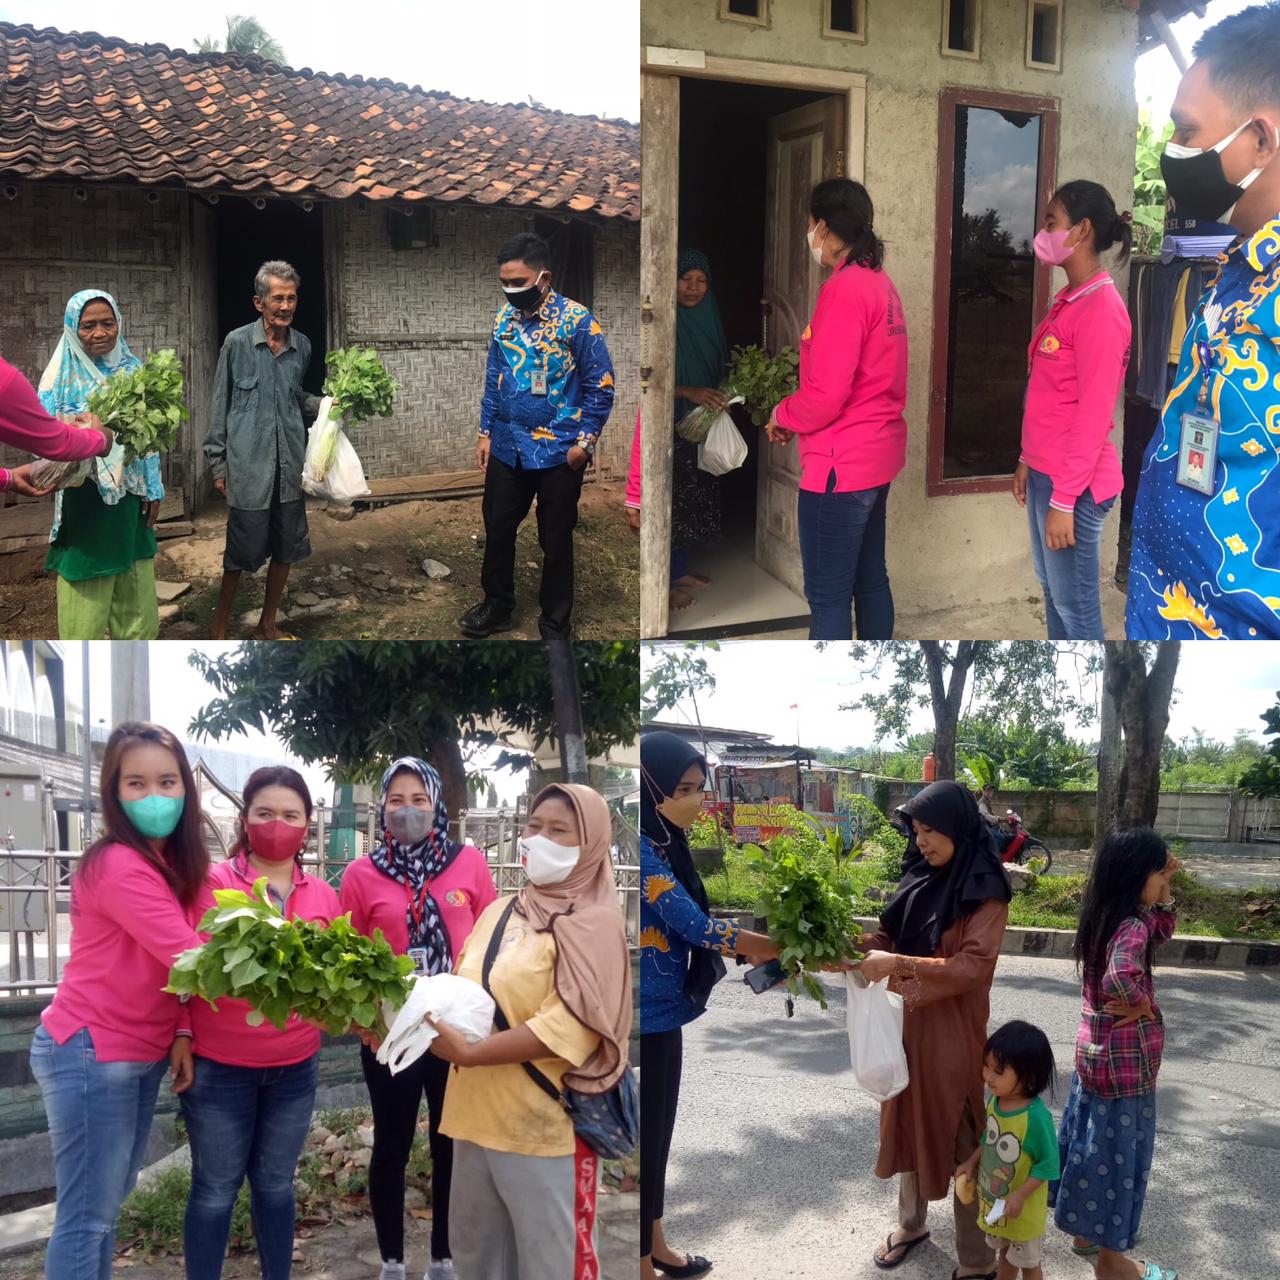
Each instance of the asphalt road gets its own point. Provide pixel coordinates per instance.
(771, 1170)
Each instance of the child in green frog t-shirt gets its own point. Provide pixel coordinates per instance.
(1018, 1155)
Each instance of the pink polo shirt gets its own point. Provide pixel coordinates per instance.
(226, 1036)
(376, 901)
(1076, 362)
(25, 424)
(127, 927)
(847, 412)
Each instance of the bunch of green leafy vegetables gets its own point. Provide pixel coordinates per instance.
(143, 406)
(360, 386)
(757, 379)
(810, 915)
(331, 975)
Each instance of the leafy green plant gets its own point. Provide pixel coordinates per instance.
(360, 386)
(333, 976)
(763, 380)
(810, 915)
(1149, 195)
(143, 406)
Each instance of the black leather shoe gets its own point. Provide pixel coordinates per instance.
(691, 1267)
(484, 620)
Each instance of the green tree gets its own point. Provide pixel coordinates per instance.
(245, 35)
(1262, 778)
(354, 706)
(1140, 678)
(1149, 195)
(675, 673)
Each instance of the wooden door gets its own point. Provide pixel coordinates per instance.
(805, 146)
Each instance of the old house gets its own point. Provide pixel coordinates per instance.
(961, 117)
(166, 178)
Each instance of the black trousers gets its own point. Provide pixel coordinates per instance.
(508, 494)
(395, 1101)
(660, 1058)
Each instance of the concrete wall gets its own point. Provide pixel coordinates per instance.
(430, 313)
(985, 534)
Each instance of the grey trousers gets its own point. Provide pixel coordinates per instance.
(523, 1217)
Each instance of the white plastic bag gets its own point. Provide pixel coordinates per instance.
(723, 449)
(331, 468)
(464, 1005)
(874, 1017)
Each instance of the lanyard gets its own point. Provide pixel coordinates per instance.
(1206, 371)
(418, 904)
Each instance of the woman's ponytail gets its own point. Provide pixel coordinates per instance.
(1082, 199)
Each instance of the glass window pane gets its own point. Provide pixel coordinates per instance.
(997, 166)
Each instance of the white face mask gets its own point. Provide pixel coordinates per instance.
(815, 249)
(546, 862)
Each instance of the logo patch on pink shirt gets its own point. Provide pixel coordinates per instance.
(807, 334)
(1050, 345)
(456, 898)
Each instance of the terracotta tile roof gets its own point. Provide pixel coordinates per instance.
(86, 107)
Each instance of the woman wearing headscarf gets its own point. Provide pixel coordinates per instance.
(681, 947)
(102, 545)
(425, 892)
(702, 355)
(524, 1202)
(938, 943)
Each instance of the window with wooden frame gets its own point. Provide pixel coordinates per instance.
(1044, 35)
(753, 12)
(962, 28)
(997, 157)
(844, 20)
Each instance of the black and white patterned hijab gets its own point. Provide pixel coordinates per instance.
(417, 865)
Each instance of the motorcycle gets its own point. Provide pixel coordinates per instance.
(1016, 844)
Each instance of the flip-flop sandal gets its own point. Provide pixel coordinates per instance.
(692, 1266)
(889, 1247)
(1154, 1271)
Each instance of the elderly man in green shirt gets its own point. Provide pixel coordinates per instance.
(256, 445)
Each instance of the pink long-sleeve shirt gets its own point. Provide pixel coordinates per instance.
(225, 1036)
(25, 425)
(376, 901)
(633, 473)
(127, 927)
(847, 411)
(1076, 364)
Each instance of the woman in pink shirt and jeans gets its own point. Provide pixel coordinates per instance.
(425, 892)
(848, 416)
(249, 1108)
(1069, 473)
(109, 1036)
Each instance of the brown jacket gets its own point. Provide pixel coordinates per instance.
(944, 1029)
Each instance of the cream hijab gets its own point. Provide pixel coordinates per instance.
(582, 914)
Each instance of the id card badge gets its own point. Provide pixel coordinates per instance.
(419, 957)
(539, 387)
(1198, 452)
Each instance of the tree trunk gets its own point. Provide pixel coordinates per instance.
(446, 757)
(568, 710)
(948, 698)
(1110, 753)
(1143, 697)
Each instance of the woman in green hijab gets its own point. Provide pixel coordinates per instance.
(702, 356)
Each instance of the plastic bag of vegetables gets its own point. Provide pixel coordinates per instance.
(331, 468)
(358, 384)
(48, 474)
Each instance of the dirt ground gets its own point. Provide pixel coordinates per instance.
(365, 578)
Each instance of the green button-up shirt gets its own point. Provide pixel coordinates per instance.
(257, 432)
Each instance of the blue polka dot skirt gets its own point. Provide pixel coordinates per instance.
(1105, 1145)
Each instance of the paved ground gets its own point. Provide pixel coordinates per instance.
(1221, 873)
(351, 1252)
(771, 1167)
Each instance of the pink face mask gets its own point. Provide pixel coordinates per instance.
(1051, 246)
(275, 841)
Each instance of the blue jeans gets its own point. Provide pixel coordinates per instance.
(245, 1120)
(99, 1120)
(842, 550)
(1068, 578)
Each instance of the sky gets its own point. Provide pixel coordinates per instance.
(1219, 689)
(584, 60)
(178, 691)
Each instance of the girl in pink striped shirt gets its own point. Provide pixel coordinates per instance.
(111, 1033)
(1069, 473)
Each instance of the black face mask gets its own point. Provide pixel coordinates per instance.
(1197, 182)
(526, 299)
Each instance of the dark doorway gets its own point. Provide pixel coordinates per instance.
(723, 159)
(248, 237)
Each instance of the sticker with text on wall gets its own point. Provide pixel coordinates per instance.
(1198, 453)
(419, 957)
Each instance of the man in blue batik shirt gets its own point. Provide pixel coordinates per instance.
(548, 392)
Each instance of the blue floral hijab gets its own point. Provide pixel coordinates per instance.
(69, 378)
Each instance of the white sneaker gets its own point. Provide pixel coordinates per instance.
(392, 1271)
(440, 1269)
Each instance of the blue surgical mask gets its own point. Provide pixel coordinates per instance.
(155, 817)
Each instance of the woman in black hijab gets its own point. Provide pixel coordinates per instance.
(938, 943)
(681, 950)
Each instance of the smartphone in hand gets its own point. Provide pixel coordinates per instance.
(765, 976)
